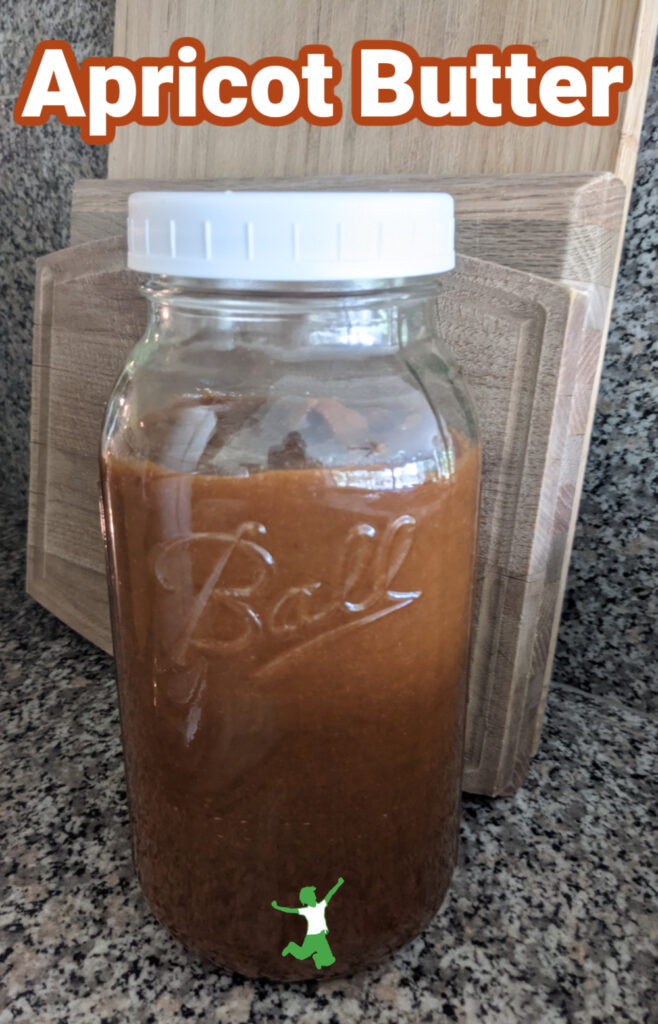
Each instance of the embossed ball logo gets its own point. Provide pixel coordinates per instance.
(241, 584)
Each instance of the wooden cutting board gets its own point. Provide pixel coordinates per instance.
(527, 349)
(252, 29)
(565, 227)
(517, 337)
(568, 224)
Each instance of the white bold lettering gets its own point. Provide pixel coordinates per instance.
(519, 74)
(602, 80)
(53, 64)
(100, 107)
(373, 82)
(316, 73)
(484, 72)
(562, 80)
(212, 84)
(187, 81)
(456, 104)
(260, 91)
(152, 78)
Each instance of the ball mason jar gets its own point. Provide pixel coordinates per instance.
(290, 482)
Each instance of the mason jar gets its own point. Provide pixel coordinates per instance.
(290, 478)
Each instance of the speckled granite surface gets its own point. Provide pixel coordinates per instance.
(38, 166)
(608, 642)
(552, 917)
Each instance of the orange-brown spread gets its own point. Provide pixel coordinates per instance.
(292, 649)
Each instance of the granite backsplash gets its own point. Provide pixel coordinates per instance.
(38, 166)
(608, 642)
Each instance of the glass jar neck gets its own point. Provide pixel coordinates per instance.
(216, 288)
(370, 314)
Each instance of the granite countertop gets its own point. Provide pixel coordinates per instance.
(551, 916)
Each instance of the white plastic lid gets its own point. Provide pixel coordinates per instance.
(291, 236)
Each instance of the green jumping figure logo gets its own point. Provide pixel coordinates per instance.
(315, 944)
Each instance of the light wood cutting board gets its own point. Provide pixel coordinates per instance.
(565, 227)
(519, 339)
(252, 29)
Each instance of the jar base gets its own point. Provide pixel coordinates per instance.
(291, 970)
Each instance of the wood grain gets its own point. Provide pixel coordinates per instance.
(252, 29)
(517, 337)
(88, 315)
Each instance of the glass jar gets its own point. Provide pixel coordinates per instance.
(290, 480)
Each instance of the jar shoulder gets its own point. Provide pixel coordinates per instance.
(190, 405)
